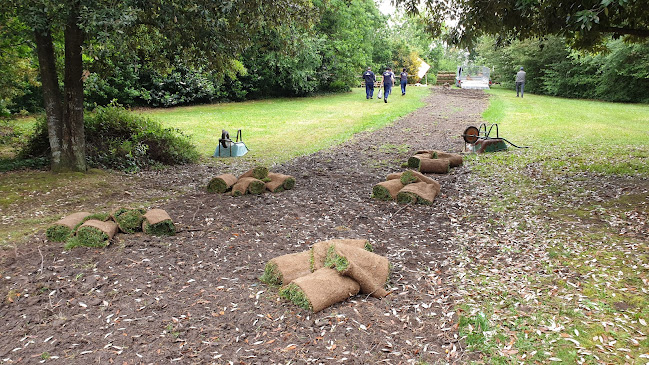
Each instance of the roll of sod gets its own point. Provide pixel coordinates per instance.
(259, 173)
(319, 250)
(247, 185)
(221, 183)
(454, 159)
(432, 153)
(423, 178)
(420, 193)
(369, 270)
(283, 269)
(158, 223)
(435, 166)
(394, 175)
(93, 233)
(387, 190)
(320, 289)
(407, 177)
(279, 182)
(129, 220)
(413, 162)
(63, 229)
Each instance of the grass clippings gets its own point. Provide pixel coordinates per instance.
(129, 220)
(293, 293)
(221, 183)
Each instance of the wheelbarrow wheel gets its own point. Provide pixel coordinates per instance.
(471, 134)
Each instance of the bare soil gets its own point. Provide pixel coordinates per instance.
(196, 297)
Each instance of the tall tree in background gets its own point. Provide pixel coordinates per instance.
(585, 23)
(203, 32)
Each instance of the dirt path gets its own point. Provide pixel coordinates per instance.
(195, 298)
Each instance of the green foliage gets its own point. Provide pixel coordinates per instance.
(553, 68)
(129, 220)
(118, 139)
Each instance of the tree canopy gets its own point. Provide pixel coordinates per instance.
(585, 23)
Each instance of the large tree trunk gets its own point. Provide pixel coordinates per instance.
(51, 93)
(73, 146)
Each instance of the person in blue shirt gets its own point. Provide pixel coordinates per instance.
(404, 81)
(388, 81)
(370, 79)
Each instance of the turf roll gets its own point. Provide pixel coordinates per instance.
(320, 289)
(428, 180)
(435, 166)
(259, 173)
(63, 229)
(247, 185)
(432, 153)
(420, 193)
(387, 190)
(221, 183)
(129, 220)
(283, 269)
(279, 182)
(93, 233)
(158, 223)
(394, 175)
(407, 177)
(319, 250)
(455, 160)
(369, 270)
(413, 161)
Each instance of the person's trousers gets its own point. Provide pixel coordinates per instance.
(369, 90)
(387, 90)
(403, 86)
(520, 86)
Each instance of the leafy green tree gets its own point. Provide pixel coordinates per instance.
(586, 23)
(198, 32)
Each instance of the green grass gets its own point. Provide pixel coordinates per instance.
(277, 130)
(594, 136)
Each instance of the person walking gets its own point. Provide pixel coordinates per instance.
(370, 79)
(388, 81)
(520, 82)
(404, 81)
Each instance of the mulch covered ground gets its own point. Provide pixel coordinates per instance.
(196, 297)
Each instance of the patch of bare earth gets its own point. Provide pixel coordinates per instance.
(196, 297)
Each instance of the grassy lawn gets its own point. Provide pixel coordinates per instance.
(567, 274)
(277, 130)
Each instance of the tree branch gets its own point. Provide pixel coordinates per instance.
(628, 31)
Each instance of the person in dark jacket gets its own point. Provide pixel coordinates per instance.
(388, 81)
(404, 81)
(520, 82)
(370, 79)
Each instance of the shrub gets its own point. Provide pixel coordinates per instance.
(118, 139)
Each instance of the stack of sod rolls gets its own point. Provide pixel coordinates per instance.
(433, 161)
(83, 229)
(254, 181)
(329, 273)
(407, 187)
